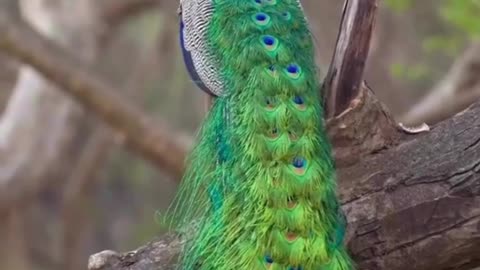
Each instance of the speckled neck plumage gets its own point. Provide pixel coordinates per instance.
(260, 182)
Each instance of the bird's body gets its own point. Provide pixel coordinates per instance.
(260, 182)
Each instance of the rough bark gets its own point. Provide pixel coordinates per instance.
(415, 206)
(365, 127)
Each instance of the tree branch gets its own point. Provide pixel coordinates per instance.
(358, 124)
(152, 140)
(345, 75)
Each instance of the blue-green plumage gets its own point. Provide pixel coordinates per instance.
(260, 182)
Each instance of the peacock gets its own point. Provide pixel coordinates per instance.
(259, 185)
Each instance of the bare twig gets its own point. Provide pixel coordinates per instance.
(345, 75)
(354, 114)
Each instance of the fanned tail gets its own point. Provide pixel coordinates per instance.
(260, 183)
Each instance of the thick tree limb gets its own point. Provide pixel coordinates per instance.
(415, 206)
(345, 75)
(358, 124)
(152, 140)
(459, 89)
(365, 127)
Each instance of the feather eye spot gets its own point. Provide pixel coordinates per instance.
(292, 135)
(299, 102)
(299, 165)
(299, 162)
(269, 40)
(293, 71)
(291, 236)
(270, 43)
(286, 15)
(273, 133)
(271, 70)
(270, 103)
(268, 259)
(261, 19)
(291, 203)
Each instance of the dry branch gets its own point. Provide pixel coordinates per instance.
(150, 139)
(365, 127)
(345, 75)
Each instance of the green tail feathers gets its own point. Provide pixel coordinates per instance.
(260, 183)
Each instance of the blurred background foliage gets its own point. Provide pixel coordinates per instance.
(459, 23)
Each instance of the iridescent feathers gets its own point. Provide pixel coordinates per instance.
(260, 182)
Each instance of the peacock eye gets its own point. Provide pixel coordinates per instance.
(292, 135)
(261, 19)
(270, 103)
(269, 40)
(291, 202)
(273, 133)
(298, 162)
(293, 71)
(299, 165)
(270, 43)
(286, 15)
(298, 100)
(268, 259)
